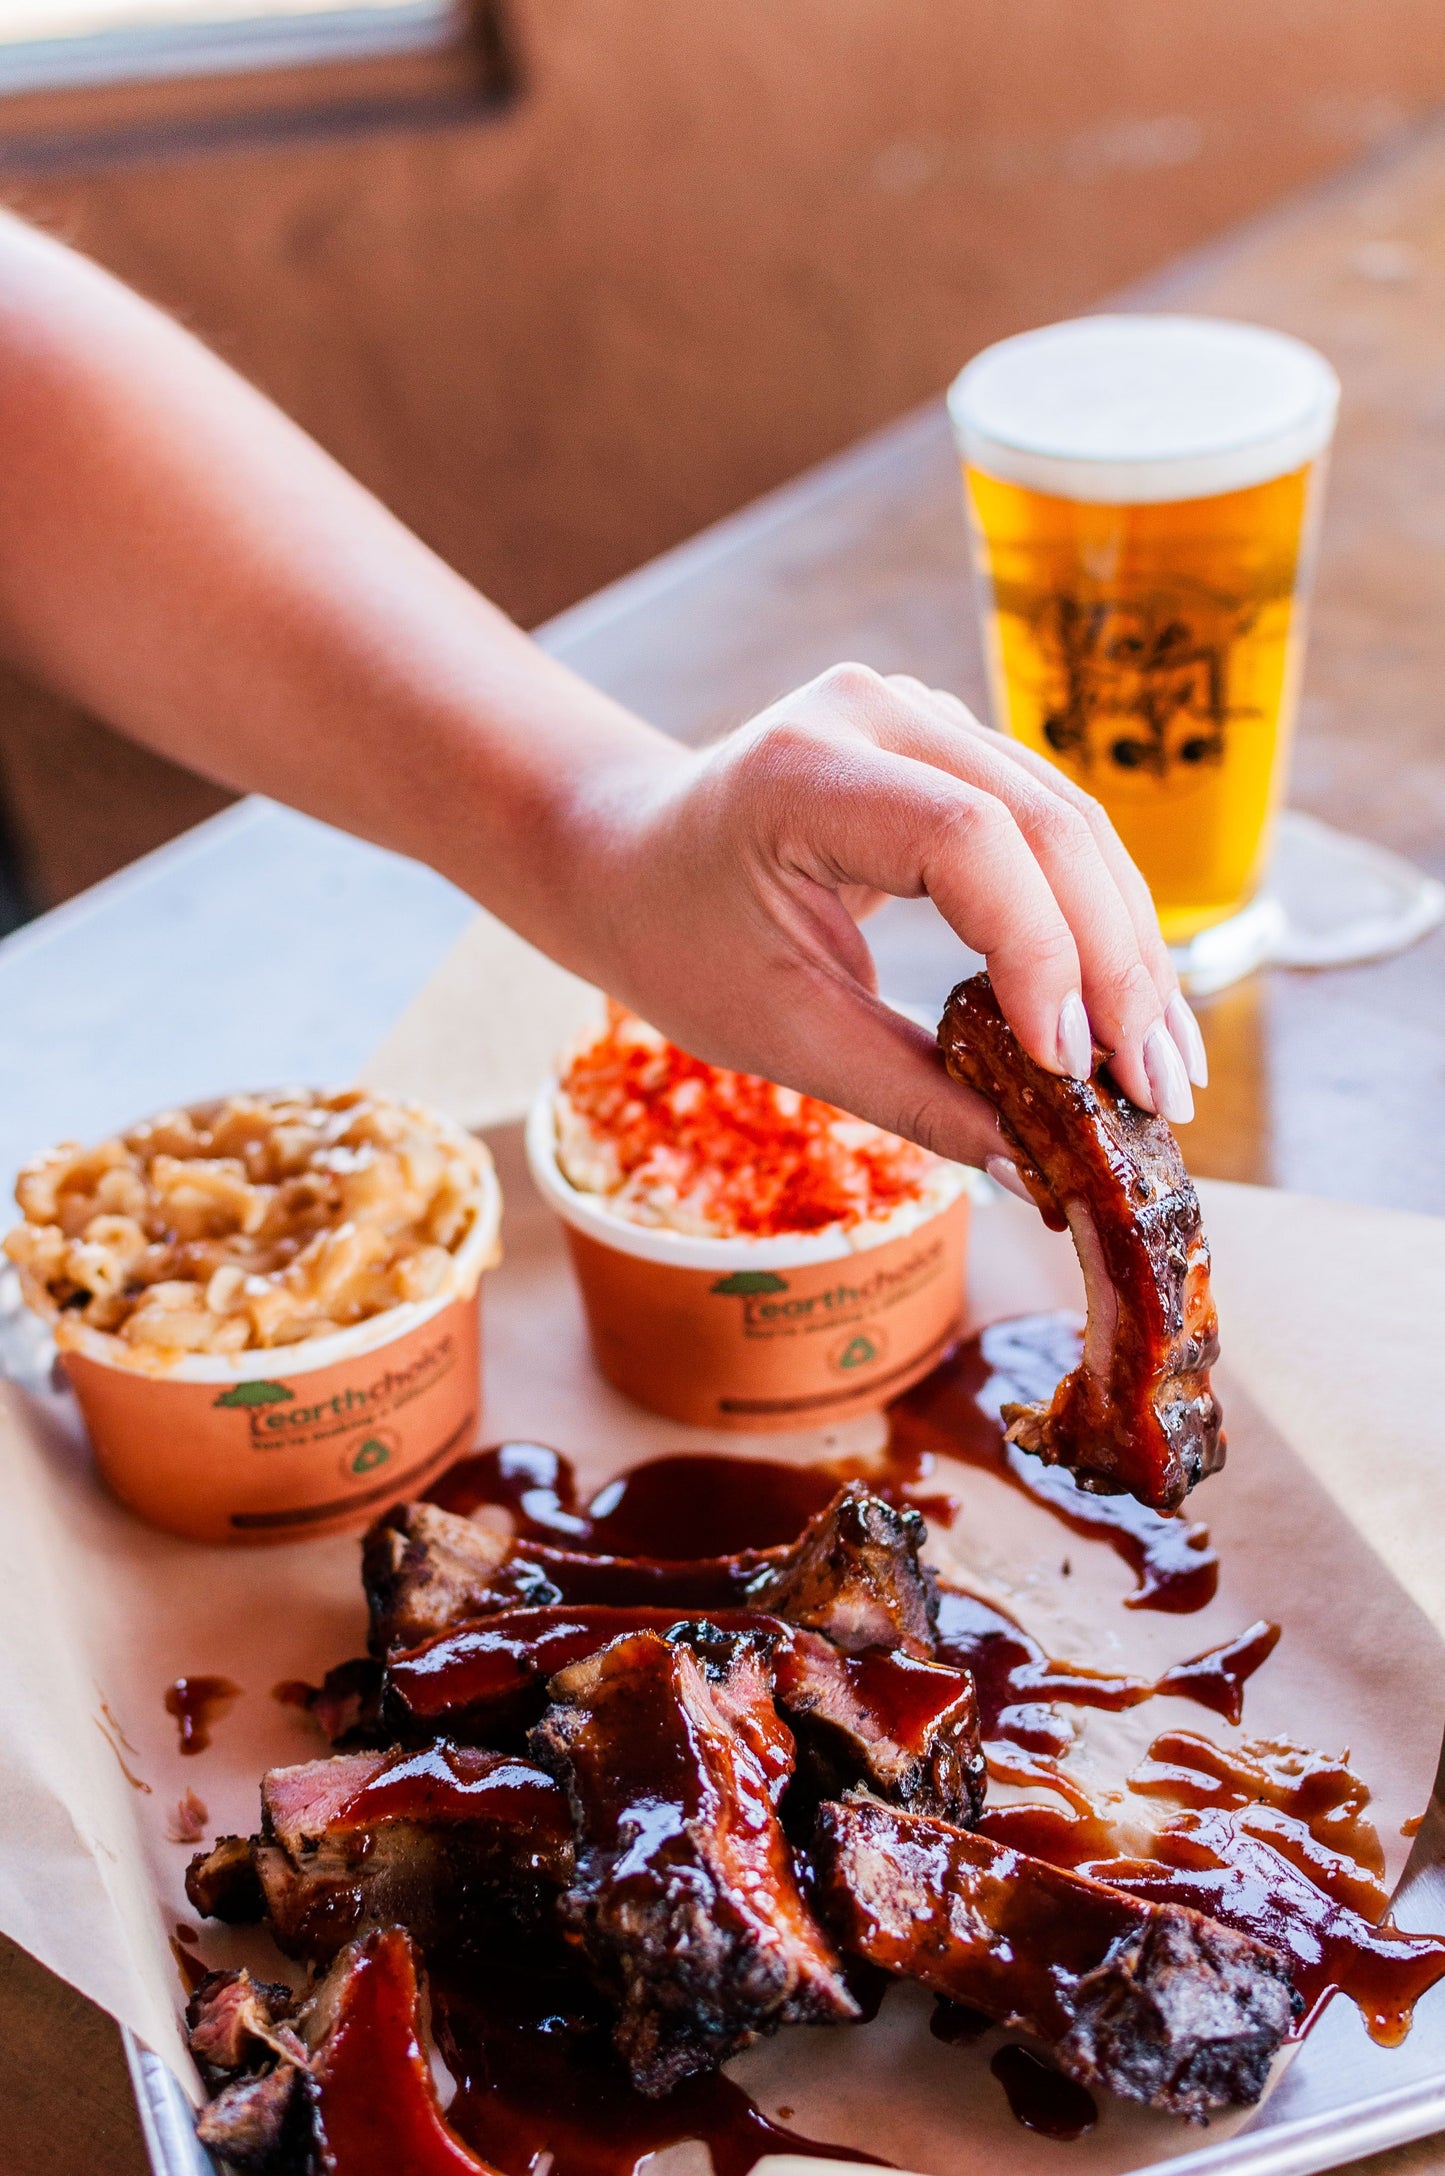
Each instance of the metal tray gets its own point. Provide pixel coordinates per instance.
(1341, 2098)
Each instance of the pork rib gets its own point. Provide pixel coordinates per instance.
(424, 1569)
(263, 2118)
(853, 1573)
(447, 1840)
(346, 2088)
(685, 1902)
(1137, 1415)
(1159, 2004)
(906, 1728)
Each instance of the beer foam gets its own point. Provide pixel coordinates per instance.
(1123, 410)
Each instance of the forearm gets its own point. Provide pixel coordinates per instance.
(188, 565)
(181, 560)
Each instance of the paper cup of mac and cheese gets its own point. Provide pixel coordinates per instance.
(268, 1307)
(748, 1258)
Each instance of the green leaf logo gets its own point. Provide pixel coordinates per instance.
(260, 1393)
(857, 1353)
(373, 1453)
(745, 1284)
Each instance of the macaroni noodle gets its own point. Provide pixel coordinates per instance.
(258, 1221)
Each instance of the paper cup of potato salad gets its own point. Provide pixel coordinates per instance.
(749, 1258)
(268, 1306)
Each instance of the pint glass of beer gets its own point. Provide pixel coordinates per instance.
(1141, 494)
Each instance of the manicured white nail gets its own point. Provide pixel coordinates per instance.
(1182, 1025)
(1076, 1042)
(1006, 1174)
(1168, 1081)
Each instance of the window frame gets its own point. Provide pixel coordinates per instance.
(463, 72)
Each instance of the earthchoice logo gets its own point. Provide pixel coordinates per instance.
(855, 1292)
(275, 1416)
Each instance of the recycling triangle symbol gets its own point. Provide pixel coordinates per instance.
(857, 1353)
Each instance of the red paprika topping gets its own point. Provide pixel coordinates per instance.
(670, 1141)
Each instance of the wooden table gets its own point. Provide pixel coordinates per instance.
(1329, 1083)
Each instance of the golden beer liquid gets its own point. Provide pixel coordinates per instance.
(1153, 652)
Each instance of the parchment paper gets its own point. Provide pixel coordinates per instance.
(1327, 1517)
(485, 1029)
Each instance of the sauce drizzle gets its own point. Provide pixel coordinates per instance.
(196, 1703)
(1043, 2099)
(1219, 1863)
(1014, 1677)
(670, 1508)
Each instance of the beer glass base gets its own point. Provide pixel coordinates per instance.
(1329, 900)
(1229, 950)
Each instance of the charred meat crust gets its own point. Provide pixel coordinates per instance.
(1152, 2001)
(221, 1883)
(264, 2125)
(1138, 1414)
(854, 1573)
(1187, 2016)
(346, 1705)
(424, 1568)
(685, 1903)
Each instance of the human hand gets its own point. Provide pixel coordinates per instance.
(729, 887)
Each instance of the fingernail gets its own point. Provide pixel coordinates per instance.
(1076, 1043)
(1182, 1025)
(1168, 1081)
(1006, 1174)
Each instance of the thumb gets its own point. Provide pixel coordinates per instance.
(838, 1041)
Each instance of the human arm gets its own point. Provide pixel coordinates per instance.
(184, 562)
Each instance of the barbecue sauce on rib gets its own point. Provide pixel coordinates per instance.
(196, 1703)
(442, 1783)
(639, 1538)
(1222, 1864)
(955, 1410)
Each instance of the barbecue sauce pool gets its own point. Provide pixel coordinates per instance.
(536, 2074)
(673, 1508)
(529, 2047)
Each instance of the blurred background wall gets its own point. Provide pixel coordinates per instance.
(678, 253)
